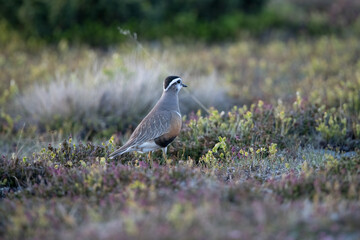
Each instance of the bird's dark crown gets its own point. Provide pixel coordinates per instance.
(168, 80)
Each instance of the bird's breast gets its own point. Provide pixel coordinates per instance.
(175, 127)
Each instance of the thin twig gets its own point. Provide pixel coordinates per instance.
(133, 37)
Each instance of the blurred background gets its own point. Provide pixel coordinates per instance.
(78, 67)
(96, 22)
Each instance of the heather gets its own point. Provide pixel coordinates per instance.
(259, 172)
(269, 146)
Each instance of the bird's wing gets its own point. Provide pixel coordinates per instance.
(152, 126)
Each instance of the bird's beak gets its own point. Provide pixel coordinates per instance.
(183, 85)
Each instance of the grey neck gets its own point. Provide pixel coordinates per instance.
(169, 101)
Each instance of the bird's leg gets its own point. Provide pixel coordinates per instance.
(164, 150)
(150, 159)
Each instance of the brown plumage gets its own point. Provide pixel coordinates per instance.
(162, 124)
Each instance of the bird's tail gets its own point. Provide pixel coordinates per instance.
(120, 151)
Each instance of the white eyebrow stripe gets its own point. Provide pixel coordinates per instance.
(172, 82)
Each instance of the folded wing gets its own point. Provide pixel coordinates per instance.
(151, 127)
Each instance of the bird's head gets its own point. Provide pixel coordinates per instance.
(173, 83)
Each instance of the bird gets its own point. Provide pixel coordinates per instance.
(160, 126)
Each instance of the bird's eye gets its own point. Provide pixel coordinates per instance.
(178, 81)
